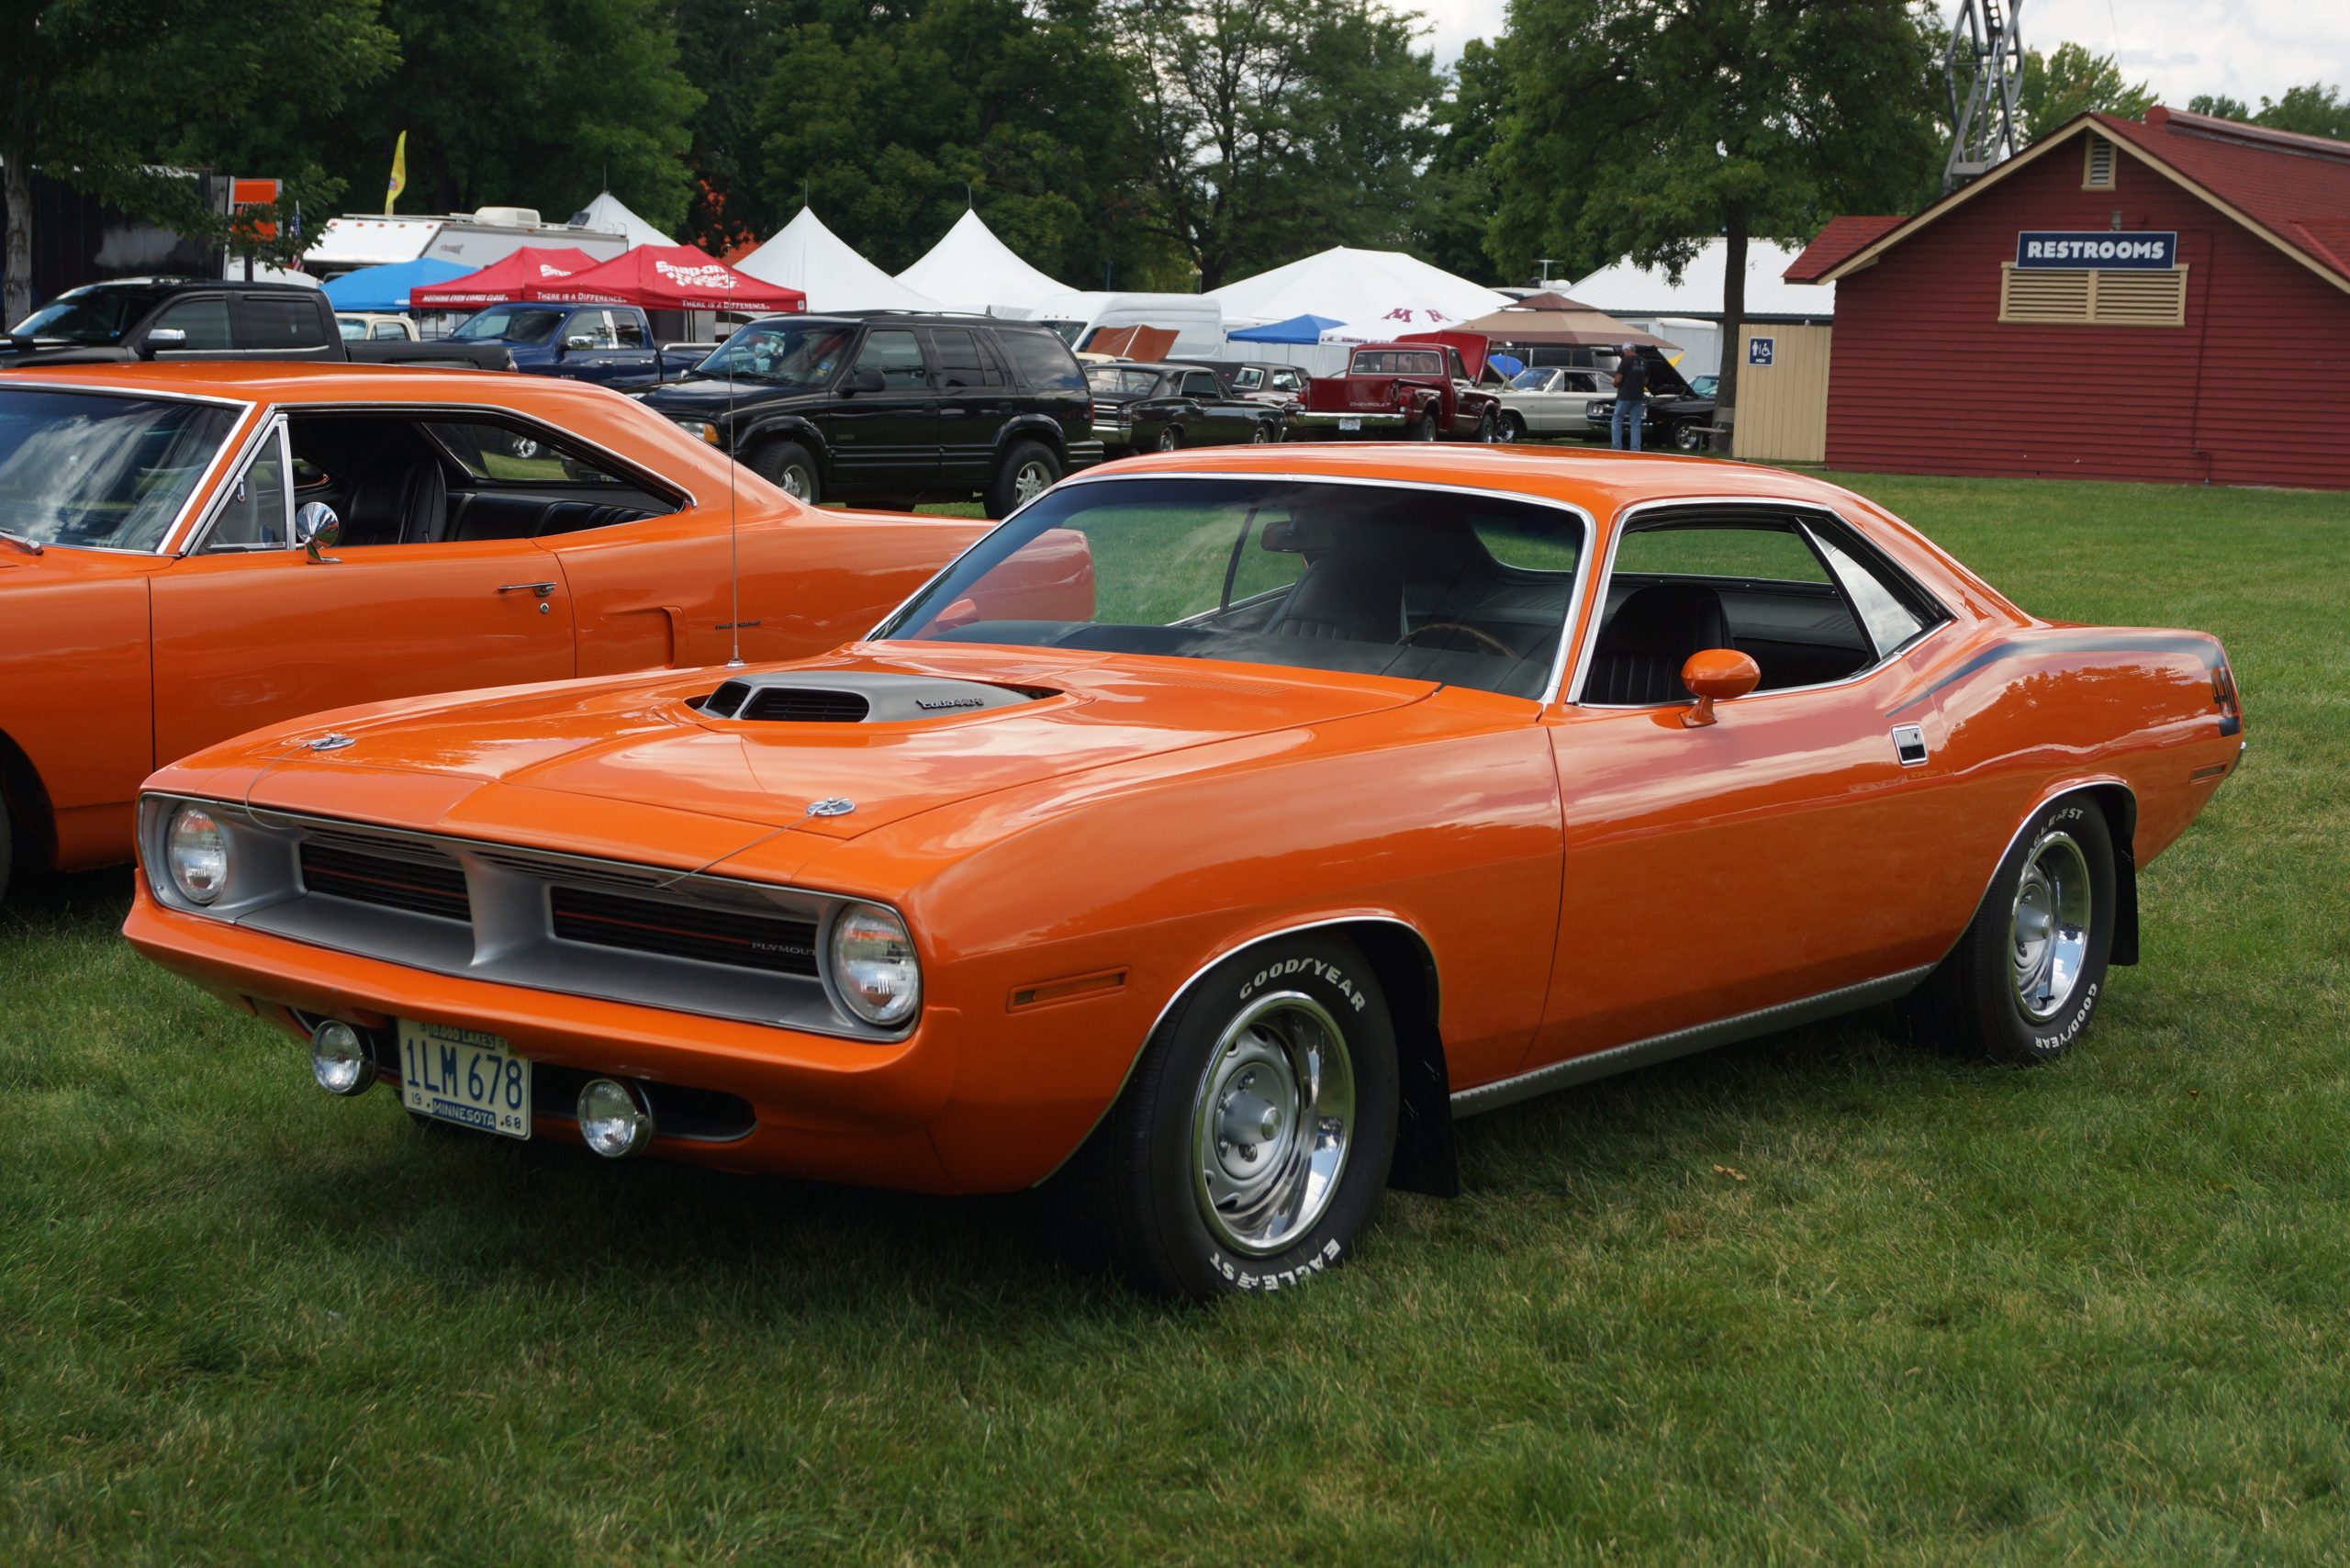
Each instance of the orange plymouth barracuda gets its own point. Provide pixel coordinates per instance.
(1333, 794)
(188, 551)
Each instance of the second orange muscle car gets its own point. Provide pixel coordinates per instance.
(157, 593)
(1346, 791)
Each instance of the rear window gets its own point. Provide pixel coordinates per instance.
(1043, 361)
(1394, 361)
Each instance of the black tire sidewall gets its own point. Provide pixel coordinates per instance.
(777, 457)
(1170, 440)
(1512, 428)
(1001, 499)
(1489, 428)
(1191, 1259)
(2009, 1034)
(7, 845)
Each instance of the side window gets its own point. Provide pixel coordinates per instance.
(501, 457)
(205, 320)
(1247, 379)
(268, 323)
(255, 516)
(1772, 554)
(961, 363)
(1042, 360)
(628, 332)
(386, 330)
(1894, 616)
(897, 356)
(1200, 383)
(1289, 381)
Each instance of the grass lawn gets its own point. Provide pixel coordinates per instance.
(1820, 1297)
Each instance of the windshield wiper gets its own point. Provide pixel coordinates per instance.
(29, 546)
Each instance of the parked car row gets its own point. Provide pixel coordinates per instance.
(1203, 842)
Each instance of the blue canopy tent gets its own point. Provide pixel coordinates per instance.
(386, 287)
(1297, 329)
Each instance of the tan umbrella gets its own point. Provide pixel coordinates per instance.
(1555, 321)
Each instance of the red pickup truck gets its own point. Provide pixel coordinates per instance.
(1421, 391)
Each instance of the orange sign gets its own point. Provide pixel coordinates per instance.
(243, 194)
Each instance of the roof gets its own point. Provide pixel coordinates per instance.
(1628, 290)
(971, 269)
(1342, 284)
(1842, 237)
(807, 255)
(2291, 190)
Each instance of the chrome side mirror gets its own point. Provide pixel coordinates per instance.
(161, 338)
(318, 530)
(578, 341)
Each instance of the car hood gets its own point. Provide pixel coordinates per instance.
(648, 743)
(710, 397)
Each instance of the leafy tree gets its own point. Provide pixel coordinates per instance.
(1456, 199)
(727, 48)
(1272, 130)
(2219, 106)
(1646, 127)
(108, 95)
(529, 102)
(2314, 110)
(2072, 81)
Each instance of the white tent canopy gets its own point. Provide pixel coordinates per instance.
(1628, 291)
(810, 257)
(608, 214)
(971, 269)
(1361, 287)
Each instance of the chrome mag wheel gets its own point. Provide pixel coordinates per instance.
(1167, 441)
(1031, 480)
(2048, 929)
(794, 480)
(1272, 1123)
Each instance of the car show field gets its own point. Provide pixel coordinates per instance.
(1819, 1294)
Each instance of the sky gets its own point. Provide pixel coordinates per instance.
(2244, 49)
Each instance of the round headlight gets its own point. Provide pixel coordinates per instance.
(197, 853)
(874, 965)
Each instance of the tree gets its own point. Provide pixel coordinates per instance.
(108, 94)
(533, 103)
(727, 48)
(2217, 105)
(2314, 110)
(1647, 128)
(1271, 130)
(1456, 199)
(2070, 81)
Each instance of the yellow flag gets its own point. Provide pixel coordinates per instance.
(398, 182)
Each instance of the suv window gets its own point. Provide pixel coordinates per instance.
(961, 360)
(204, 319)
(1042, 360)
(897, 356)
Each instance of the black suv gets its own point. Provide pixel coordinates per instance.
(893, 408)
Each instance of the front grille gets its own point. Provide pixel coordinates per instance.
(421, 883)
(742, 938)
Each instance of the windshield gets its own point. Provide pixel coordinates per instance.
(1529, 380)
(98, 318)
(79, 469)
(511, 323)
(780, 354)
(1422, 585)
(352, 328)
(1069, 331)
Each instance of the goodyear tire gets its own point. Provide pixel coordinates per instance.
(2024, 981)
(1251, 1147)
(792, 468)
(1028, 469)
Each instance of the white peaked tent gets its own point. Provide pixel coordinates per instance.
(812, 259)
(608, 214)
(971, 269)
(1357, 288)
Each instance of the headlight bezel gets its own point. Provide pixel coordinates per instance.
(182, 883)
(847, 923)
(704, 431)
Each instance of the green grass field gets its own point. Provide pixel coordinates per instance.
(1821, 1298)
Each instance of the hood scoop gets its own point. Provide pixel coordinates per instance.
(853, 697)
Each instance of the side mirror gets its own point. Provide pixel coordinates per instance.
(318, 530)
(1716, 675)
(161, 338)
(578, 340)
(866, 380)
(961, 613)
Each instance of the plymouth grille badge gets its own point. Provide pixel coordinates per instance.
(330, 743)
(831, 806)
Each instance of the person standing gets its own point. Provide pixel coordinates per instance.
(1631, 399)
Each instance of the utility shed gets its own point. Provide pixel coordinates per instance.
(2167, 300)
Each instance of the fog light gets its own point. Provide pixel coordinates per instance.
(614, 1118)
(339, 1058)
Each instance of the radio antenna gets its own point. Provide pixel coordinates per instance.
(734, 567)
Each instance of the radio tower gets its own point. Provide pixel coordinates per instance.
(1987, 50)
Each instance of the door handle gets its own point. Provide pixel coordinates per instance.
(1909, 745)
(538, 590)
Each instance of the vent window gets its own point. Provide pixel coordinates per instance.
(2093, 299)
(2097, 163)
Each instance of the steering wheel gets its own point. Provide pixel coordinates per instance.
(1490, 641)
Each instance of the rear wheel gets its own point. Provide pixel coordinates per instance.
(2024, 981)
(1252, 1146)
(1687, 437)
(1170, 438)
(1260, 433)
(1513, 425)
(1026, 472)
(1423, 426)
(789, 467)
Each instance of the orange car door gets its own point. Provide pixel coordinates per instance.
(1784, 851)
(249, 630)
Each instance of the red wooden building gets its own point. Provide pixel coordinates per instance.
(2167, 300)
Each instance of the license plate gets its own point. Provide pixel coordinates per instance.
(466, 1076)
(1350, 424)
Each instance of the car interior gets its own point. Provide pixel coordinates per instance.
(428, 480)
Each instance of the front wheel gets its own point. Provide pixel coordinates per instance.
(1688, 437)
(2023, 981)
(1252, 1146)
(1489, 428)
(1260, 433)
(1026, 472)
(1513, 425)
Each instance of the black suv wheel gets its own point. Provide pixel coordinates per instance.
(1028, 470)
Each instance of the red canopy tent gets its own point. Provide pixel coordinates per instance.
(504, 280)
(670, 277)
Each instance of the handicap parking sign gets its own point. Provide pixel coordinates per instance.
(1759, 350)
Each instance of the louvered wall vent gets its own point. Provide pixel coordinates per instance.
(2096, 167)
